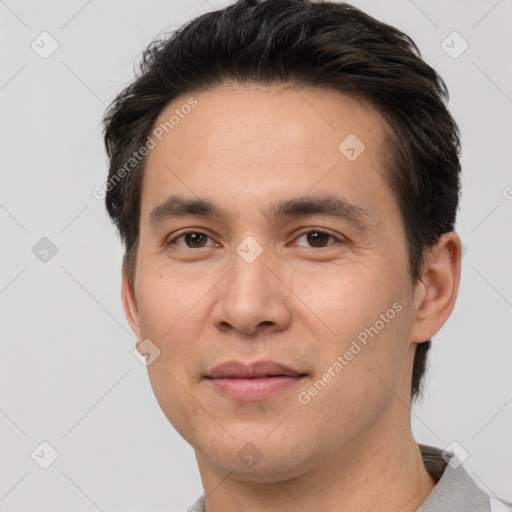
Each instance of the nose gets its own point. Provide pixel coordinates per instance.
(252, 299)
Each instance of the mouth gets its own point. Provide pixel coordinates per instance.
(253, 382)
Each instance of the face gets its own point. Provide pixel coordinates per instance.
(270, 241)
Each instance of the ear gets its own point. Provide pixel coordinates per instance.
(129, 303)
(437, 287)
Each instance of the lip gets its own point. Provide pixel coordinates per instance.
(252, 382)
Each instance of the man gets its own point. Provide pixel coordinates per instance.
(285, 178)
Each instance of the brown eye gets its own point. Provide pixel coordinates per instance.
(195, 240)
(191, 240)
(317, 239)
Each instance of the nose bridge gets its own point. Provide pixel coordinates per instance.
(251, 295)
(250, 277)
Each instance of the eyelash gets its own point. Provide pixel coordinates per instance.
(318, 230)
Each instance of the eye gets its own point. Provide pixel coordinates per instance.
(192, 240)
(316, 238)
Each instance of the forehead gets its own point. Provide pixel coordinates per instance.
(231, 117)
(267, 142)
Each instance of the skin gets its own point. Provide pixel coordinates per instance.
(242, 148)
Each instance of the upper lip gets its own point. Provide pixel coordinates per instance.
(235, 369)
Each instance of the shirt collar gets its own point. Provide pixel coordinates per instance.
(455, 491)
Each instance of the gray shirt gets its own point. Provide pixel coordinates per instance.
(455, 491)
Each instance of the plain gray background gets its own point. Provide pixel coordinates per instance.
(68, 373)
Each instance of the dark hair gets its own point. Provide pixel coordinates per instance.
(305, 44)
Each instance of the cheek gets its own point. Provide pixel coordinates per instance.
(357, 383)
(167, 304)
(367, 339)
(169, 316)
(345, 298)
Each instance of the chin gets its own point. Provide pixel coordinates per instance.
(259, 461)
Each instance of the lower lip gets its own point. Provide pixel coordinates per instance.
(255, 388)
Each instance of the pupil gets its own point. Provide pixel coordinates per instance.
(316, 239)
(194, 239)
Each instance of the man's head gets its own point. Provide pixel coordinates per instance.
(266, 121)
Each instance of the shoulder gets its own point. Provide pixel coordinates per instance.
(198, 506)
(455, 490)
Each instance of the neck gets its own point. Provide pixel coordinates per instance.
(385, 475)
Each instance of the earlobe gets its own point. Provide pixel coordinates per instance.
(129, 303)
(438, 286)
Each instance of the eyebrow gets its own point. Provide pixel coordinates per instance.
(178, 206)
(328, 205)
